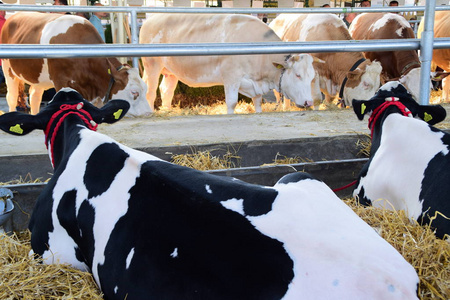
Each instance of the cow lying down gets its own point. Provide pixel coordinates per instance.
(150, 229)
(409, 166)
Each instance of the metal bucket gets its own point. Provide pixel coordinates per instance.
(6, 205)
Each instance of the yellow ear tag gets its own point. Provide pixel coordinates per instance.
(117, 114)
(363, 108)
(280, 66)
(427, 117)
(16, 128)
(109, 71)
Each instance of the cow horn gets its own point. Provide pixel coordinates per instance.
(318, 60)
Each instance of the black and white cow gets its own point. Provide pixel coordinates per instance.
(409, 165)
(150, 229)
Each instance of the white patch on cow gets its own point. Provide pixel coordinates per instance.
(208, 189)
(116, 289)
(129, 258)
(234, 204)
(58, 26)
(389, 86)
(410, 81)
(174, 254)
(109, 207)
(380, 23)
(314, 20)
(322, 260)
(397, 169)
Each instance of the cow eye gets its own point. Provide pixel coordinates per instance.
(298, 76)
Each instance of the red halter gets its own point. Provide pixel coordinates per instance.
(380, 109)
(76, 110)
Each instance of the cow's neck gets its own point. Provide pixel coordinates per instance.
(339, 66)
(63, 126)
(406, 61)
(101, 85)
(376, 120)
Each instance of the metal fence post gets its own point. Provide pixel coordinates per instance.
(426, 52)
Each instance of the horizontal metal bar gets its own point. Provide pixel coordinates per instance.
(215, 10)
(202, 49)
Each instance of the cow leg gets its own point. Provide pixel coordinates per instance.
(151, 77)
(167, 89)
(35, 98)
(12, 85)
(231, 97)
(257, 103)
(316, 93)
(446, 89)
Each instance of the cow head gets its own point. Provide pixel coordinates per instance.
(297, 73)
(394, 91)
(363, 82)
(18, 123)
(410, 80)
(134, 90)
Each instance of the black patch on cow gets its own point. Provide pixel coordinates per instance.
(41, 222)
(102, 167)
(435, 191)
(296, 177)
(74, 224)
(188, 246)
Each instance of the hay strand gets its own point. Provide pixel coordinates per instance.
(26, 278)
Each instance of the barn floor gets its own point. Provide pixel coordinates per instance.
(157, 131)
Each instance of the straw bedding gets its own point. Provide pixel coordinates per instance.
(23, 277)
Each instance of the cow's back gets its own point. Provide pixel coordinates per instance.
(310, 27)
(204, 28)
(371, 26)
(25, 28)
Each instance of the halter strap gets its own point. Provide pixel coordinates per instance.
(111, 83)
(380, 109)
(341, 92)
(409, 67)
(66, 110)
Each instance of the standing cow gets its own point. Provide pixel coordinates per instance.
(346, 74)
(409, 166)
(250, 75)
(150, 229)
(97, 79)
(441, 57)
(403, 66)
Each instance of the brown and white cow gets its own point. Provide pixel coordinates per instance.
(441, 57)
(346, 73)
(97, 79)
(250, 75)
(403, 66)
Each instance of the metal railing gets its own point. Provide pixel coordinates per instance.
(426, 44)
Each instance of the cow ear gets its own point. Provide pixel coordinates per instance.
(112, 111)
(432, 114)
(279, 65)
(361, 107)
(18, 123)
(354, 75)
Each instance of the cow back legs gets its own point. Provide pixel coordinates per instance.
(231, 97)
(151, 79)
(257, 103)
(167, 89)
(35, 98)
